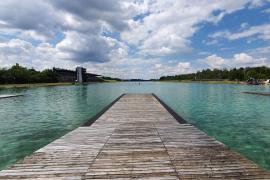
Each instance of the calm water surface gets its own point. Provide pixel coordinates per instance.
(241, 121)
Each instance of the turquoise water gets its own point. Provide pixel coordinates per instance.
(241, 121)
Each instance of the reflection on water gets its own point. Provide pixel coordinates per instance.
(241, 121)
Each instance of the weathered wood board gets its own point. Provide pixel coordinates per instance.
(137, 138)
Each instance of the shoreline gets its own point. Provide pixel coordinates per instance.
(204, 82)
(7, 86)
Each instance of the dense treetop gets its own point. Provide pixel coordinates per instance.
(241, 74)
(20, 75)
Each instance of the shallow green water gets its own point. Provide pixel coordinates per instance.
(241, 121)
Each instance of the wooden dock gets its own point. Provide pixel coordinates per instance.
(136, 138)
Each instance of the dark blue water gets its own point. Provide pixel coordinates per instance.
(241, 121)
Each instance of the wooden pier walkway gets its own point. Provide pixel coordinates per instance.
(137, 138)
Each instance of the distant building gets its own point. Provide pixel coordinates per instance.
(64, 75)
(80, 75)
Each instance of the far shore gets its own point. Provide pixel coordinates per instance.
(6, 86)
(211, 82)
(34, 85)
(205, 82)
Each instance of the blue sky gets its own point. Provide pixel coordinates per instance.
(135, 38)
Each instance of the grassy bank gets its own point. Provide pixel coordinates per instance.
(33, 85)
(4, 86)
(204, 82)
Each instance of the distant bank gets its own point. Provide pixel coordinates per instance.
(33, 85)
(19, 76)
(5, 86)
(205, 81)
(250, 75)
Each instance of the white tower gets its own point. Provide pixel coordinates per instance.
(79, 74)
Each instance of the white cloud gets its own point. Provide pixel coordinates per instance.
(82, 22)
(33, 35)
(220, 34)
(164, 29)
(170, 24)
(243, 59)
(27, 15)
(261, 32)
(215, 61)
(157, 66)
(184, 66)
(237, 60)
(159, 69)
(82, 48)
(23, 52)
(256, 3)
(260, 52)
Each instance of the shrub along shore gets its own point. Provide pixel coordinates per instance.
(22, 75)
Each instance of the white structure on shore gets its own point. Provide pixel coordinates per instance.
(80, 71)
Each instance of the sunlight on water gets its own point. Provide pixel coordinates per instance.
(241, 121)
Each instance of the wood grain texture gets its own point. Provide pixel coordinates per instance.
(137, 138)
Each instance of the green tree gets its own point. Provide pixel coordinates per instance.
(18, 74)
(241, 74)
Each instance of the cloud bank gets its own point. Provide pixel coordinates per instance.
(123, 38)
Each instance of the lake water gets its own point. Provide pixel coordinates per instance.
(241, 121)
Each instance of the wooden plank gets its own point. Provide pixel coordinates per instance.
(136, 138)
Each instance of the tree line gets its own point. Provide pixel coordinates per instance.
(20, 75)
(238, 74)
